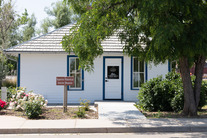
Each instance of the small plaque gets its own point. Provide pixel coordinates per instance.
(64, 80)
(113, 72)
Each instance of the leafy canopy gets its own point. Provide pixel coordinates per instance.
(150, 29)
(61, 14)
(14, 29)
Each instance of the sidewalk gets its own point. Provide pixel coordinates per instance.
(10, 125)
(115, 117)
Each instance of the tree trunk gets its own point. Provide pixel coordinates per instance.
(199, 66)
(190, 108)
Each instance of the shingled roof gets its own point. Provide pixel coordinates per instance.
(51, 43)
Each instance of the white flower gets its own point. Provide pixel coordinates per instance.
(25, 98)
(18, 107)
(11, 105)
(18, 95)
(36, 97)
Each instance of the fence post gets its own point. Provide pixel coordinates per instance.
(4, 93)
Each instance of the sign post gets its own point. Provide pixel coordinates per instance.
(66, 81)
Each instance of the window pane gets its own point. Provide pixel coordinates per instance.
(135, 65)
(113, 72)
(75, 72)
(73, 75)
(141, 79)
(72, 65)
(141, 66)
(135, 80)
(77, 65)
(78, 81)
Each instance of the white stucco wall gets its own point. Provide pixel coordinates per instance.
(38, 72)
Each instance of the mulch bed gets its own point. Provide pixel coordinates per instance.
(201, 114)
(54, 113)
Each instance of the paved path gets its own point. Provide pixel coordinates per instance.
(118, 111)
(114, 118)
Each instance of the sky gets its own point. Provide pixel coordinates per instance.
(33, 6)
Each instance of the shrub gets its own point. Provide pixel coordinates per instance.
(11, 91)
(33, 109)
(85, 103)
(148, 96)
(84, 107)
(3, 105)
(203, 95)
(18, 100)
(166, 94)
(81, 112)
(29, 102)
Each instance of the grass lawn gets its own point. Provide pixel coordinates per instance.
(54, 113)
(201, 114)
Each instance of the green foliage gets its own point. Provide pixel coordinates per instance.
(169, 30)
(177, 102)
(81, 112)
(84, 107)
(62, 15)
(29, 29)
(85, 103)
(33, 109)
(11, 34)
(11, 91)
(203, 96)
(166, 94)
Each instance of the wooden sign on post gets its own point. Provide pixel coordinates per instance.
(65, 81)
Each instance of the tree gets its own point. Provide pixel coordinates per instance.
(10, 34)
(169, 30)
(62, 15)
(29, 29)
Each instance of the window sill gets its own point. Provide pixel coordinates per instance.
(75, 90)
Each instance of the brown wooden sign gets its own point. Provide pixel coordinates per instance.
(64, 80)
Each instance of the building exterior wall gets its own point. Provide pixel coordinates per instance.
(38, 72)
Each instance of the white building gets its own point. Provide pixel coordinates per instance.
(116, 76)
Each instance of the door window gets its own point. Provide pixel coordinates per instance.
(113, 72)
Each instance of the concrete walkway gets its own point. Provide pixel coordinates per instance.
(118, 111)
(107, 123)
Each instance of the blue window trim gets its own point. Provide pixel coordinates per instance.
(18, 68)
(146, 73)
(122, 74)
(169, 66)
(68, 74)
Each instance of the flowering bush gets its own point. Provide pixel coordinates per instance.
(19, 100)
(2, 104)
(33, 109)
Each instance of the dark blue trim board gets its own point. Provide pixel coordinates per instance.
(82, 87)
(146, 73)
(169, 66)
(18, 68)
(122, 76)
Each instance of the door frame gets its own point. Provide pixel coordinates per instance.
(122, 70)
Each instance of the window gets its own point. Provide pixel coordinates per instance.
(77, 73)
(138, 73)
